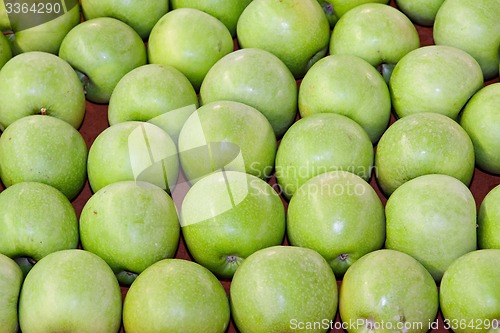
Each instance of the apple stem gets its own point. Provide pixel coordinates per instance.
(43, 111)
(343, 256)
(8, 32)
(328, 8)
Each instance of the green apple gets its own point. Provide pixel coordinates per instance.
(481, 120)
(46, 150)
(35, 220)
(376, 32)
(320, 143)
(131, 225)
(257, 78)
(388, 291)
(227, 135)
(70, 291)
(102, 51)
(296, 31)
(158, 94)
(488, 220)
(335, 84)
(433, 219)
(422, 12)
(283, 289)
(420, 144)
(474, 27)
(191, 41)
(5, 51)
(339, 215)
(434, 78)
(227, 11)
(38, 25)
(140, 15)
(40, 83)
(334, 9)
(11, 279)
(176, 296)
(133, 150)
(470, 293)
(227, 216)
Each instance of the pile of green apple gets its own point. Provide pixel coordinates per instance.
(264, 166)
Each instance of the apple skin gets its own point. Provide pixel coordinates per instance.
(435, 78)
(227, 11)
(140, 15)
(131, 225)
(35, 220)
(46, 37)
(433, 219)
(5, 51)
(334, 9)
(488, 220)
(257, 78)
(227, 135)
(40, 83)
(470, 293)
(389, 289)
(320, 143)
(70, 291)
(44, 149)
(280, 286)
(419, 144)
(120, 150)
(191, 41)
(296, 31)
(335, 84)
(11, 279)
(102, 50)
(177, 296)
(227, 216)
(473, 27)
(156, 94)
(481, 120)
(422, 12)
(339, 215)
(375, 32)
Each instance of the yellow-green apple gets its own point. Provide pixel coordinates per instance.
(283, 289)
(158, 94)
(419, 144)
(131, 225)
(102, 51)
(35, 219)
(481, 120)
(227, 216)
(296, 31)
(334, 9)
(388, 291)
(433, 219)
(5, 51)
(133, 150)
(257, 78)
(474, 27)
(470, 293)
(178, 296)
(11, 279)
(335, 84)
(488, 220)
(320, 143)
(191, 41)
(422, 12)
(376, 32)
(38, 25)
(339, 215)
(140, 15)
(40, 83)
(435, 78)
(44, 149)
(70, 291)
(227, 135)
(227, 11)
